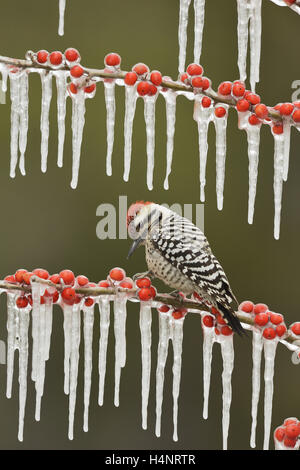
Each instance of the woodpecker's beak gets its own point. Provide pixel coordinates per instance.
(134, 246)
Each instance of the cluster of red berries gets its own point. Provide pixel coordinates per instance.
(272, 324)
(148, 81)
(289, 433)
(216, 320)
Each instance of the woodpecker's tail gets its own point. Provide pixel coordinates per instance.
(233, 321)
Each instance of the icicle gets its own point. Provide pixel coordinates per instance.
(170, 98)
(61, 86)
(109, 92)
(78, 120)
(255, 42)
(149, 114)
(257, 345)
(162, 353)
(48, 326)
(23, 120)
(228, 358)
(177, 338)
(11, 338)
(208, 341)
(269, 352)
(243, 19)
(74, 360)
(15, 86)
(104, 308)
(120, 340)
(40, 366)
(130, 105)
(145, 328)
(4, 72)
(253, 138)
(287, 139)
(88, 319)
(220, 126)
(278, 181)
(182, 32)
(46, 78)
(67, 311)
(203, 116)
(199, 8)
(62, 6)
(23, 364)
(36, 307)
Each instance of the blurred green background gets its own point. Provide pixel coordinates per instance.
(47, 224)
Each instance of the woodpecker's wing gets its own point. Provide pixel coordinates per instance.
(185, 246)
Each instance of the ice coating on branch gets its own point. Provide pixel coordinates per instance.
(149, 114)
(208, 342)
(257, 345)
(88, 323)
(61, 86)
(170, 97)
(176, 338)
(287, 140)
(104, 308)
(120, 340)
(283, 3)
(145, 328)
(74, 360)
(78, 120)
(228, 359)
(130, 105)
(269, 353)
(12, 325)
(23, 365)
(203, 116)
(110, 102)
(182, 32)
(279, 148)
(162, 353)
(62, 6)
(23, 111)
(253, 138)
(220, 126)
(199, 8)
(15, 86)
(46, 79)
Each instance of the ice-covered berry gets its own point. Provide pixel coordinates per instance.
(269, 333)
(72, 55)
(56, 58)
(194, 69)
(220, 112)
(117, 274)
(42, 56)
(143, 88)
(156, 77)
(67, 276)
(112, 59)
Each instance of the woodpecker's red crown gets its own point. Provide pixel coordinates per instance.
(134, 209)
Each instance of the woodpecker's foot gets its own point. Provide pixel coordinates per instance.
(176, 294)
(146, 274)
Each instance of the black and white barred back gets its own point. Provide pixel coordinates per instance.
(178, 253)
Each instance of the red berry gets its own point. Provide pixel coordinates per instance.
(289, 442)
(269, 333)
(260, 308)
(153, 291)
(126, 284)
(242, 105)
(26, 277)
(56, 58)
(247, 306)
(295, 327)
(277, 129)
(261, 319)
(42, 56)
(296, 104)
(280, 330)
(206, 102)
(112, 59)
(90, 88)
(82, 280)
(55, 278)
(194, 69)
(67, 276)
(130, 78)
(140, 69)
(145, 294)
(220, 319)
(10, 278)
(214, 311)
(156, 77)
(276, 318)
(296, 115)
(220, 112)
(104, 284)
(143, 282)
(290, 2)
(253, 120)
(164, 308)
(22, 302)
(72, 54)
(19, 275)
(73, 88)
(286, 109)
(226, 330)
(205, 83)
(29, 297)
(217, 331)
(177, 314)
(252, 98)
(288, 421)
(152, 90)
(89, 302)
(238, 89)
(69, 295)
(279, 433)
(225, 88)
(292, 431)
(42, 273)
(117, 274)
(261, 111)
(197, 82)
(184, 77)
(76, 71)
(143, 88)
(208, 321)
